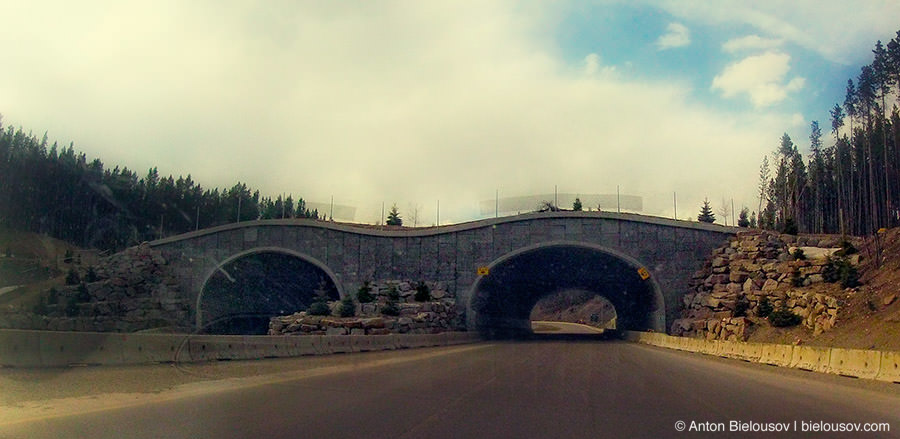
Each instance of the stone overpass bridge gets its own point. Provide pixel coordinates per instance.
(526, 257)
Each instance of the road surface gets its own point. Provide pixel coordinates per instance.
(548, 327)
(547, 389)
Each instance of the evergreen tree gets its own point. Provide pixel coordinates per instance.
(744, 217)
(576, 206)
(706, 213)
(393, 218)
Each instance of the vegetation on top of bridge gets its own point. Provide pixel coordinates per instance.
(397, 231)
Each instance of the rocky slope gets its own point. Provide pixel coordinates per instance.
(758, 272)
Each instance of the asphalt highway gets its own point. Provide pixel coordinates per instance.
(561, 388)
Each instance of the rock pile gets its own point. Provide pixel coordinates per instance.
(757, 267)
(125, 292)
(437, 315)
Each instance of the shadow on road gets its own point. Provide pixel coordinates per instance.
(567, 337)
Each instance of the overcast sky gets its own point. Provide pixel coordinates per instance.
(411, 102)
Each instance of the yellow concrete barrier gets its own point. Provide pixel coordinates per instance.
(727, 349)
(855, 362)
(750, 351)
(777, 354)
(890, 367)
(811, 358)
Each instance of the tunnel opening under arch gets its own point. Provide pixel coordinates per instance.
(575, 306)
(500, 304)
(245, 291)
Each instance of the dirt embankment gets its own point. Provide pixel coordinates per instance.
(29, 263)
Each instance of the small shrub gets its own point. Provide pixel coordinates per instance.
(318, 308)
(764, 309)
(423, 293)
(790, 227)
(840, 269)
(847, 249)
(91, 275)
(52, 296)
(741, 307)
(364, 294)
(390, 309)
(393, 293)
(72, 277)
(783, 317)
(830, 271)
(798, 254)
(40, 308)
(872, 306)
(348, 308)
(83, 295)
(72, 309)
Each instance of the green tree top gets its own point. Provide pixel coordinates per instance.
(706, 214)
(576, 206)
(393, 218)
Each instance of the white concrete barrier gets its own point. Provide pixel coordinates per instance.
(385, 342)
(340, 344)
(361, 343)
(68, 348)
(27, 348)
(216, 347)
(153, 348)
(19, 348)
(266, 346)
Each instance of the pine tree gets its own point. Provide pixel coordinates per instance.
(744, 217)
(706, 213)
(393, 218)
(576, 206)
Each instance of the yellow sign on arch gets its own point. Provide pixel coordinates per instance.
(483, 271)
(644, 273)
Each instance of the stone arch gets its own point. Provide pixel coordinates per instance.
(481, 312)
(326, 274)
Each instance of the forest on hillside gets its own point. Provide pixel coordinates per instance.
(849, 183)
(56, 191)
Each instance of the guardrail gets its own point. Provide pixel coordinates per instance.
(27, 348)
(878, 365)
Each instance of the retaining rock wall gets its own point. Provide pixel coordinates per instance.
(753, 267)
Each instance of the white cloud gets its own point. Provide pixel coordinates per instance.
(760, 77)
(834, 29)
(677, 35)
(395, 103)
(751, 42)
(593, 66)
